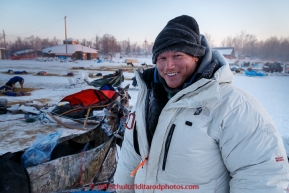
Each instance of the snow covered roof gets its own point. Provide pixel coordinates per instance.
(71, 49)
(224, 50)
(72, 40)
(23, 52)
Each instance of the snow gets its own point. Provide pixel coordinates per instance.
(271, 91)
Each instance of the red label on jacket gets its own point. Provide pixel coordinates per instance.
(279, 159)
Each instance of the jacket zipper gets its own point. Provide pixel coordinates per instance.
(167, 145)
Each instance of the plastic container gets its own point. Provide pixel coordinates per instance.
(3, 102)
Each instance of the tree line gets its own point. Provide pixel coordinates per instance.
(106, 45)
(245, 45)
(35, 43)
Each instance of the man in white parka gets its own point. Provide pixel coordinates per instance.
(193, 130)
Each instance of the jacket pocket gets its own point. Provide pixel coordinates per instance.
(167, 145)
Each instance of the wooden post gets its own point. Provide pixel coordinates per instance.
(4, 45)
(65, 36)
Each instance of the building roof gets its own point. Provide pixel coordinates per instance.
(23, 52)
(71, 49)
(72, 40)
(224, 50)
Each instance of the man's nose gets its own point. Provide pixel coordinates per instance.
(170, 63)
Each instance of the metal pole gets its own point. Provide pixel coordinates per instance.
(4, 44)
(65, 35)
(146, 47)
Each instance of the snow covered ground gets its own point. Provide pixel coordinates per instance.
(271, 91)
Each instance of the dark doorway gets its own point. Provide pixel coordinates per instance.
(88, 56)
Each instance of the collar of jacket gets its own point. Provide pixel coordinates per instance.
(204, 90)
(197, 95)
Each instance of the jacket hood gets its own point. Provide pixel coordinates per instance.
(224, 73)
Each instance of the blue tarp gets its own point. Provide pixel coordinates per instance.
(254, 73)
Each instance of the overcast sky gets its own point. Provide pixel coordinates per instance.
(140, 20)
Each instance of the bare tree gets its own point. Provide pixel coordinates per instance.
(284, 49)
(128, 47)
(31, 42)
(248, 45)
(209, 39)
(83, 42)
(134, 47)
(109, 44)
(55, 41)
(89, 43)
(227, 42)
(150, 47)
(97, 42)
(244, 44)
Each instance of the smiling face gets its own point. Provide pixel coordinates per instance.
(176, 67)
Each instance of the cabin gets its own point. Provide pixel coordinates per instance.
(74, 50)
(227, 52)
(2, 53)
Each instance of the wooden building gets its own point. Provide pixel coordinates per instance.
(74, 50)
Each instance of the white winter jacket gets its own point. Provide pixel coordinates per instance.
(210, 137)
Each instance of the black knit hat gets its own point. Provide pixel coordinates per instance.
(181, 34)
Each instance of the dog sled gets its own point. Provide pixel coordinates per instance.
(86, 159)
(114, 79)
(82, 107)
